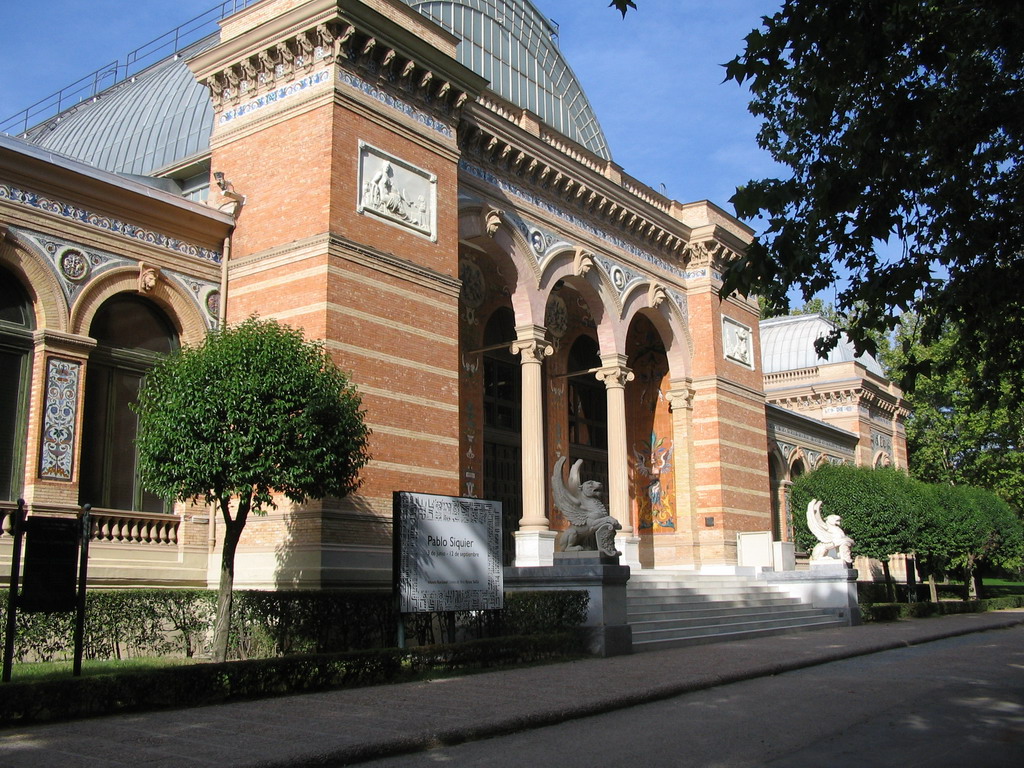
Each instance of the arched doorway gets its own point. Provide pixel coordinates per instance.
(650, 438)
(502, 407)
(132, 333)
(16, 324)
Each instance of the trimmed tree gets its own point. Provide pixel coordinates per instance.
(253, 411)
(880, 508)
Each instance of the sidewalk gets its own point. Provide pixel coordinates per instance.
(344, 727)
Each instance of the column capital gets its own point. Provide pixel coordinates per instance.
(531, 343)
(532, 350)
(64, 343)
(680, 398)
(614, 376)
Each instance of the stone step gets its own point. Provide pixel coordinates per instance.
(668, 612)
(694, 597)
(641, 645)
(672, 610)
(727, 618)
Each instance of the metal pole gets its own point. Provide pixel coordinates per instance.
(18, 529)
(83, 569)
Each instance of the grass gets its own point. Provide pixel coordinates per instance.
(59, 670)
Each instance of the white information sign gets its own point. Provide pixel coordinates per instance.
(447, 553)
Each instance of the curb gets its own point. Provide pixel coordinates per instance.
(453, 736)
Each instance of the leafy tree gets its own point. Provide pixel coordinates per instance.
(622, 6)
(953, 534)
(902, 124)
(252, 411)
(951, 438)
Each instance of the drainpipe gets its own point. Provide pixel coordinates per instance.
(236, 201)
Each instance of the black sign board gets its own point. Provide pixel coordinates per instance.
(51, 564)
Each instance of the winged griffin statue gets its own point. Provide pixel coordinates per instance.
(830, 535)
(592, 527)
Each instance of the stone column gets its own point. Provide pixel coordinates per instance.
(680, 401)
(535, 544)
(52, 470)
(615, 374)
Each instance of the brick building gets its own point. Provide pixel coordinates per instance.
(424, 187)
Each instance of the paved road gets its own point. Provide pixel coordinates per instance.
(345, 727)
(957, 702)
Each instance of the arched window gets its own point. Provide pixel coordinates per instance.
(16, 323)
(588, 411)
(132, 334)
(503, 425)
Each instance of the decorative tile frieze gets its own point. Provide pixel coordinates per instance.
(529, 197)
(393, 102)
(105, 223)
(827, 446)
(273, 97)
(59, 417)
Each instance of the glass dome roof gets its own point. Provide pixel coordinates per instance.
(787, 344)
(511, 44)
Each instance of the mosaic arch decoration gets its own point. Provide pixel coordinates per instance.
(59, 417)
(75, 266)
(544, 242)
(583, 225)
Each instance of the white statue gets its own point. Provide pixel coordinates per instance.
(592, 527)
(830, 536)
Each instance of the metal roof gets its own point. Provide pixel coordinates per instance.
(787, 344)
(155, 118)
(162, 116)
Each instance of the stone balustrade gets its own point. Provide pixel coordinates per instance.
(134, 527)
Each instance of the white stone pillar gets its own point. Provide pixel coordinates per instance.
(615, 374)
(535, 543)
(680, 402)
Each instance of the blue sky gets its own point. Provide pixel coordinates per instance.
(654, 79)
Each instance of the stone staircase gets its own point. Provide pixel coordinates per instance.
(677, 609)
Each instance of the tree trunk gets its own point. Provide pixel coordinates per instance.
(232, 533)
(969, 586)
(911, 565)
(890, 592)
(979, 585)
(933, 591)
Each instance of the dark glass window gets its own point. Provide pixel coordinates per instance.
(133, 334)
(588, 399)
(16, 323)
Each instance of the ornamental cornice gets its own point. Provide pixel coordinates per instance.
(586, 185)
(264, 66)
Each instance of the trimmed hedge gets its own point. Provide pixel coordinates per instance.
(895, 611)
(199, 684)
(124, 623)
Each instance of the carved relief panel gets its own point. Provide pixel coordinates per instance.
(397, 192)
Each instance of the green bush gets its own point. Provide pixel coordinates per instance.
(199, 684)
(123, 623)
(892, 611)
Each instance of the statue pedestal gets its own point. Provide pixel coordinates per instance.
(630, 547)
(828, 585)
(602, 578)
(534, 548)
